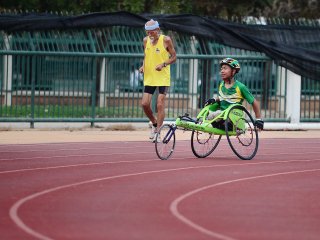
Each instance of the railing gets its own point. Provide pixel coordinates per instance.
(91, 76)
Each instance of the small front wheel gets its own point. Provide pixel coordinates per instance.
(165, 141)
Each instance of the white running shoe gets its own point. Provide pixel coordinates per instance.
(152, 132)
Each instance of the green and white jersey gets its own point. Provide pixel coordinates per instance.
(236, 94)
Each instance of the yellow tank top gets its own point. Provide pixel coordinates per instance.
(154, 55)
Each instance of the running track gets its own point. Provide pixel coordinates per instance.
(121, 190)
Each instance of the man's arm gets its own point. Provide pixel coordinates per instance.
(256, 109)
(170, 49)
(168, 45)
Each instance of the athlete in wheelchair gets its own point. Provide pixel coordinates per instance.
(232, 91)
(224, 115)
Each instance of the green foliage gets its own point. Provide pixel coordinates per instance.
(134, 6)
(171, 7)
(215, 8)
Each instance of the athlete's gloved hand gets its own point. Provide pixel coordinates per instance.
(259, 123)
(210, 101)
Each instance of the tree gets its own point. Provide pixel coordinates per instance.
(293, 9)
(214, 8)
(230, 8)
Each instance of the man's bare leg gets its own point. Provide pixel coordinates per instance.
(160, 107)
(146, 105)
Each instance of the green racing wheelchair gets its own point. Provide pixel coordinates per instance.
(235, 123)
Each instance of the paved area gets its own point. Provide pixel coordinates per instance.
(121, 190)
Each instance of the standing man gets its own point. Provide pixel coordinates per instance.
(159, 53)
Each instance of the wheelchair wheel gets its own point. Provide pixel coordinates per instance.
(203, 144)
(166, 140)
(241, 133)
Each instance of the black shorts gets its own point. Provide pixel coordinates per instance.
(151, 89)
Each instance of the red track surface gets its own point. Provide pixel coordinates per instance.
(121, 190)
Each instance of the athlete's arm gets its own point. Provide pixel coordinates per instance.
(169, 46)
(256, 109)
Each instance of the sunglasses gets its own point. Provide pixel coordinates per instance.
(151, 31)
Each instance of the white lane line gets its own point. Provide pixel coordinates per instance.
(67, 149)
(267, 141)
(72, 165)
(85, 155)
(122, 153)
(175, 204)
(148, 160)
(73, 155)
(71, 149)
(13, 212)
(69, 143)
(118, 147)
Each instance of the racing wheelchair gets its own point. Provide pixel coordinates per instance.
(235, 122)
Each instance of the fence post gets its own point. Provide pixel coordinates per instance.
(7, 78)
(33, 88)
(293, 96)
(93, 91)
(103, 83)
(193, 84)
(7, 73)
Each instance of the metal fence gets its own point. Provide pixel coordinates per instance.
(92, 76)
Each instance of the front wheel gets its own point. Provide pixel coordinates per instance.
(241, 133)
(165, 141)
(203, 144)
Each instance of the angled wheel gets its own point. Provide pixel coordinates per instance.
(166, 140)
(203, 144)
(241, 133)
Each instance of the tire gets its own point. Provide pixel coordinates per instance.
(241, 133)
(166, 142)
(203, 144)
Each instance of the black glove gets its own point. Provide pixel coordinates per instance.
(259, 123)
(210, 101)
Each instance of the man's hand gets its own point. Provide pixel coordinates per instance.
(159, 67)
(210, 101)
(259, 123)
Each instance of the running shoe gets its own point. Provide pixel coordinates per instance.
(152, 132)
